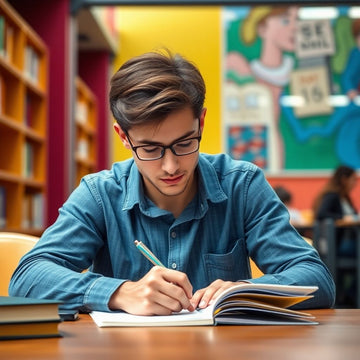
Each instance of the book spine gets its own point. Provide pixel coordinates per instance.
(38, 211)
(9, 47)
(33, 211)
(28, 164)
(2, 95)
(2, 35)
(2, 207)
(32, 63)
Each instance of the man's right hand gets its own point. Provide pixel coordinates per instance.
(160, 292)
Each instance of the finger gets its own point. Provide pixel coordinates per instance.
(206, 298)
(176, 287)
(195, 300)
(179, 279)
(211, 292)
(174, 297)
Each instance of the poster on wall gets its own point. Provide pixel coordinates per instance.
(291, 85)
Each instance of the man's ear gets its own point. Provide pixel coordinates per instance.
(202, 119)
(122, 135)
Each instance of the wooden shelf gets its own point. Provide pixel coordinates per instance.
(23, 124)
(85, 138)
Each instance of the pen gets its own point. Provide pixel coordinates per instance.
(147, 253)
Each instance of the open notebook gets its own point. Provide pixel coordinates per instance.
(242, 304)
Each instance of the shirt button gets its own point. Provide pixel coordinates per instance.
(173, 265)
(173, 234)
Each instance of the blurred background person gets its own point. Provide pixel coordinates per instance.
(285, 196)
(334, 202)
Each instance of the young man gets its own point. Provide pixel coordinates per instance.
(202, 215)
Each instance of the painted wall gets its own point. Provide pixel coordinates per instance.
(305, 189)
(145, 29)
(196, 32)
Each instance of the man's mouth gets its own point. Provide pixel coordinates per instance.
(172, 180)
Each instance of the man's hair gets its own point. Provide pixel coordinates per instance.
(151, 86)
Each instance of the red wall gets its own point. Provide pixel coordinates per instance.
(304, 189)
(93, 68)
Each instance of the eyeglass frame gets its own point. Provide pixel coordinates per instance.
(164, 147)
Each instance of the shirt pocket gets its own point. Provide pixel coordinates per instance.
(232, 266)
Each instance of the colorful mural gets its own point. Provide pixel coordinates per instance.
(292, 82)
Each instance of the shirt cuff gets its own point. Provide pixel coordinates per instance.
(99, 293)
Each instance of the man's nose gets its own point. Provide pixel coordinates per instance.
(170, 162)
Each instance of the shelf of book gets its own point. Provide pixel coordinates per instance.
(85, 122)
(23, 119)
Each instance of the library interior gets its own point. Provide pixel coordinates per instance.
(285, 99)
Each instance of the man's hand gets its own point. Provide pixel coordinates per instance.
(204, 297)
(160, 292)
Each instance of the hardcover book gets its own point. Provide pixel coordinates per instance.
(25, 317)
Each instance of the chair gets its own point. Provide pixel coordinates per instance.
(308, 240)
(325, 241)
(255, 271)
(12, 247)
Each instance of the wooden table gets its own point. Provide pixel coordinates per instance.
(337, 337)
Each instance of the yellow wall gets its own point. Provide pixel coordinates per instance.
(191, 31)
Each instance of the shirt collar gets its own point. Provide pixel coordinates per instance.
(209, 185)
(134, 189)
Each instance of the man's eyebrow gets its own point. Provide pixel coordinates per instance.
(150, 142)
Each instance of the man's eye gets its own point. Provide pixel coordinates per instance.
(150, 149)
(184, 144)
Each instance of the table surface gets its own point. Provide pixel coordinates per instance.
(336, 337)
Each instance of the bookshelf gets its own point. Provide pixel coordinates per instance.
(85, 135)
(23, 118)
(77, 47)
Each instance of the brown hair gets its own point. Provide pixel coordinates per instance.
(150, 86)
(336, 185)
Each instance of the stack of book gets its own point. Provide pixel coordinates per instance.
(28, 318)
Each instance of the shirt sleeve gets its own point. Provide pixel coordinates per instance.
(278, 249)
(59, 266)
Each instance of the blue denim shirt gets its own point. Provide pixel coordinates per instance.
(235, 214)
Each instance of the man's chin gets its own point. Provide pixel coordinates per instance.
(172, 191)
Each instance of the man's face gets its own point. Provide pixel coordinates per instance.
(172, 175)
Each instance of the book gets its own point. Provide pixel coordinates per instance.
(23, 330)
(2, 95)
(33, 211)
(2, 35)
(2, 207)
(37, 211)
(242, 304)
(26, 317)
(28, 163)
(9, 43)
(14, 308)
(32, 62)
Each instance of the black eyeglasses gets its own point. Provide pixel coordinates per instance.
(155, 152)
